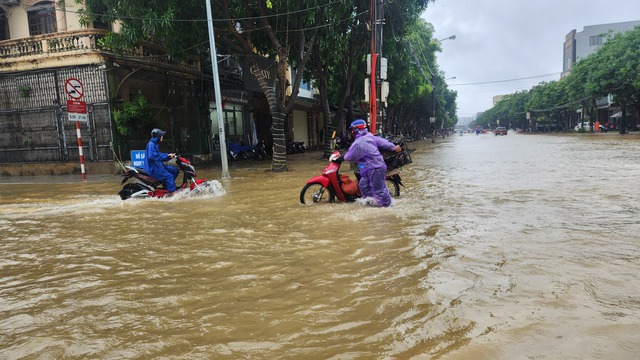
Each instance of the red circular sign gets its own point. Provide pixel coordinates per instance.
(73, 87)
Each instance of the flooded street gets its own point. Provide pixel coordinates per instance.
(513, 247)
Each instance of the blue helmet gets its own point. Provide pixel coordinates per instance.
(358, 124)
(157, 133)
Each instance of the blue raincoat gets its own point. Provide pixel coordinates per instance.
(365, 151)
(154, 165)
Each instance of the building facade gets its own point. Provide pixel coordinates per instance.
(578, 45)
(43, 45)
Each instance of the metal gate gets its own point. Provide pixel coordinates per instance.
(34, 125)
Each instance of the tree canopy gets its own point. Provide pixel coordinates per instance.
(323, 41)
(614, 69)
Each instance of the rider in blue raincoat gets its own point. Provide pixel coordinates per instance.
(365, 151)
(154, 162)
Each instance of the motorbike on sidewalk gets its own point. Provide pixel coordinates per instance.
(240, 152)
(332, 185)
(144, 186)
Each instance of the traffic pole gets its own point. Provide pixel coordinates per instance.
(84, 176)
(373, 96)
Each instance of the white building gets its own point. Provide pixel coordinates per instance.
(581, 44)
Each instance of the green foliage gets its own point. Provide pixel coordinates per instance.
(134, 116)
(25, 90)
(179, 25)
(335, 33)
(613, 69)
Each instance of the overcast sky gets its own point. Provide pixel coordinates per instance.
(500, 40)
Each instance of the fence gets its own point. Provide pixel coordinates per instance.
(46, 135)
(34, 125)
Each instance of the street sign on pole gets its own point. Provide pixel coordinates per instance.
(74, 88)
(77, 111)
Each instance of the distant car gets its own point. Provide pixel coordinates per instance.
(408, 137)
(586, 126)
(500, 131)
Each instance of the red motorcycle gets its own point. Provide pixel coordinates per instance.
(331, 184)
(145, 186)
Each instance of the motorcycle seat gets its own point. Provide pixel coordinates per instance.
(143, 176)
(137, 170)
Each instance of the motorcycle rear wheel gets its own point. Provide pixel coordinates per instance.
(315, 193)
(133, 190)
(394, 188)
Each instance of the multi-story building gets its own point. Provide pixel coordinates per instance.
(578, 45)
(581, 44)
(43, 45)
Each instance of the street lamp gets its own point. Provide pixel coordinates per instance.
(452, 37)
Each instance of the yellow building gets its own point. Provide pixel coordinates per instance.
(43, 46)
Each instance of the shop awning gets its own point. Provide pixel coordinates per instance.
(616, 115)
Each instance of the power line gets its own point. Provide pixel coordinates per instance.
(507, 80)
(203, 20)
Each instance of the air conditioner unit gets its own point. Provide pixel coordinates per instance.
(10, 2)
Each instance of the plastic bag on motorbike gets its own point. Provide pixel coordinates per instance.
(347, 185)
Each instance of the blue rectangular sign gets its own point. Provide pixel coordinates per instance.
(137, 158)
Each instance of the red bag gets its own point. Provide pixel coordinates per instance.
(348, 186)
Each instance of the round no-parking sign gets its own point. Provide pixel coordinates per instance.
(73, 87)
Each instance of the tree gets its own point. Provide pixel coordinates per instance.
(615, 69)
(334, 64)
(549, 100)
(178, 23)
(414, 79)
(338, 64)
(133, 117)
(285, 32)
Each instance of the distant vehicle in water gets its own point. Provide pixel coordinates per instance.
(500, 130)
(586, 126)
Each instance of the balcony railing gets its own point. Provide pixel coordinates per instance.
(86, 40)
(73, 42)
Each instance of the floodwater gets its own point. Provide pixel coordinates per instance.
(514, 247)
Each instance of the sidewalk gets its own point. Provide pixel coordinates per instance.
(113, 168)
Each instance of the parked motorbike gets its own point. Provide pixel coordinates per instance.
(332, 185)
(261, 150)
(296, 147)
(240, 152)
(144, 186)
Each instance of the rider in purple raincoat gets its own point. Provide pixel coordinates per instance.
(154, 162)
(365, 151)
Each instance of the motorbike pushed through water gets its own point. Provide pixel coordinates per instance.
(144, 186)
(332, 185)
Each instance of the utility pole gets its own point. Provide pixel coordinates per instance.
(216, 89)
(433, 98)
(376, 20)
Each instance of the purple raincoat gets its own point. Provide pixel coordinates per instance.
(365, 151)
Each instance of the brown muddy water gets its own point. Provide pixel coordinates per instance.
(515, 247)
